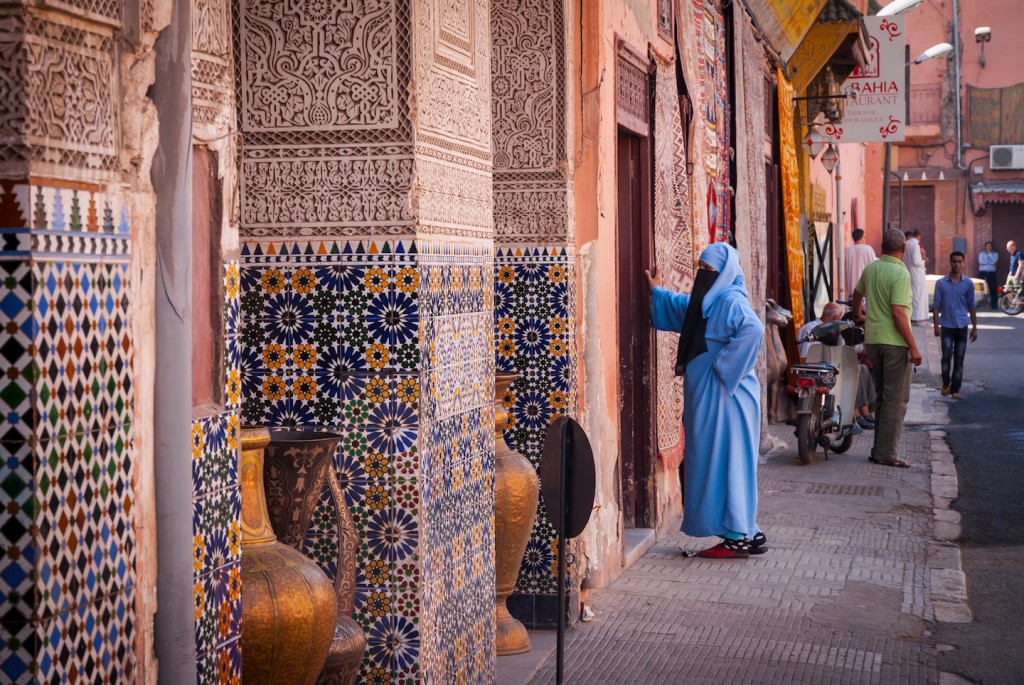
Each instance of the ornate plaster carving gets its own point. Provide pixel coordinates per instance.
(452, 199)
(531, 191)
(452, 91)
(318, 65)
(324, 193)
(326, 134)
(60, 108)
(211, 59)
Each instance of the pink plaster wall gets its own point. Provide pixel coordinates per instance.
(852, 172)
(931, 151)
(596, 213)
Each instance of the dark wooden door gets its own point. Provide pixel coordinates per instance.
(774, 285)
(636, 340)
(1007, 225)
(918, 212)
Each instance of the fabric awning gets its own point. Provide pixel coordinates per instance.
(784, 23)
(995, 192)
(807, 35)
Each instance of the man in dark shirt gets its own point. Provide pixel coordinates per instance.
(952, 309)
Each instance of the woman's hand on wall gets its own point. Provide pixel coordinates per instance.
(652, 281)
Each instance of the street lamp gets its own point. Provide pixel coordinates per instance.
(982, 34)
(898, 7)
(813, 142)
(933, 51)
(830, 158)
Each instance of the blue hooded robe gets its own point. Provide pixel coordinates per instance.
(722, 402)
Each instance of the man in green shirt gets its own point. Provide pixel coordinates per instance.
(890, 343)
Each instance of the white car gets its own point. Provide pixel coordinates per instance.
(980, 288)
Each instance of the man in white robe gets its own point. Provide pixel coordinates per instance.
(917, 266)
(856, 257)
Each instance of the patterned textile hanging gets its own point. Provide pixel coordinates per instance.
(673, 248)
(791, 200)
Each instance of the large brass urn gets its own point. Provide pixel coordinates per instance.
(288, 604)
(515, 508)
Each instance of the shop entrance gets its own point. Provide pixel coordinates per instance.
(636, 340)
(1007, 224)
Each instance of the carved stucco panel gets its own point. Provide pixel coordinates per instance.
(453, 90)
(531, 191)
(211, 60)
(72, 98)
(318, 65)
(530, 213)
(524, 87)
(13, 89)
(324, 195)
(452, 199)
(106, 11)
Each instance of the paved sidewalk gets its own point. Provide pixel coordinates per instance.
(857, 568)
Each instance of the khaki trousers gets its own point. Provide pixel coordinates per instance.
(890, 370)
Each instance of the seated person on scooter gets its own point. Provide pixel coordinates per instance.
(833, 311)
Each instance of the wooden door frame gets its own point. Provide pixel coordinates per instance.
(633, 117)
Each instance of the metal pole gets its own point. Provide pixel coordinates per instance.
(899, 179)
(956, 78)
(560, 644)
(885, 186)
(840, 237)
(174, 630)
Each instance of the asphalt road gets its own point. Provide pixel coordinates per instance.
(986, 434)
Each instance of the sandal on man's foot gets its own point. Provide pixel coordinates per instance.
(758, 544)
(727, 549)
(897, 463)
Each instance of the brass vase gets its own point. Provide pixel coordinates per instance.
(288, 604)
(299, 464)
(515, 507)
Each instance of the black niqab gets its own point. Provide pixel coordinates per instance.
(691, 339)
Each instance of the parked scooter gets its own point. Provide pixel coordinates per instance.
(1011, 299)
(826, 389)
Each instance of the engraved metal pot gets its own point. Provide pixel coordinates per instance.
(299, 465)
(515, 508)
(288, 604)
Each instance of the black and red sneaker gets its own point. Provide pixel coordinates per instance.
(727, 549)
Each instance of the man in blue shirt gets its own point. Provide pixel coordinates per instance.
(952, 309)
(1016, 263)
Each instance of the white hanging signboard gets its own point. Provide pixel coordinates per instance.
(878, 112)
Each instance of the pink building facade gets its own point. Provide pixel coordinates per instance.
(957, 197)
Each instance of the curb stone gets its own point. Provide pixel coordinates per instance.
(947, 583)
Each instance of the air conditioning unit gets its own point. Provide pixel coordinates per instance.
(1006, 157)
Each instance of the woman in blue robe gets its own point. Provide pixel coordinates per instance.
(720, 338)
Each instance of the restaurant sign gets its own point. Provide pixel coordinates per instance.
(876, 109)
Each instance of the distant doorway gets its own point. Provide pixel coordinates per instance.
(1007, 224)
(918, 213)
(636, 341)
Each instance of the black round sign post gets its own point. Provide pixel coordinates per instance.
(568, 481)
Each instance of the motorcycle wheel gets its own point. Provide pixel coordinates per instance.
(842, 445)
(1011, 304)
(806, 436)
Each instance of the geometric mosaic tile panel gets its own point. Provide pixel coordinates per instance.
(534, 319)
(457, 463)
(216, 507)
(66, 399)
(389, 343)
